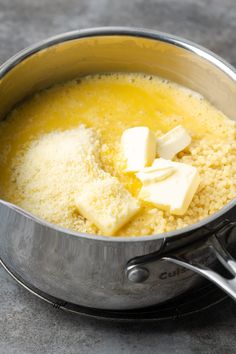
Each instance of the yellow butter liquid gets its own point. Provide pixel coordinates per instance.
(110, 104)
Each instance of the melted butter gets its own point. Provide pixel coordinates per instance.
(109, 104)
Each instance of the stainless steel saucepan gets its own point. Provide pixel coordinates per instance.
(120, 272)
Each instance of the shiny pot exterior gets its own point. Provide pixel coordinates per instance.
(97, 271)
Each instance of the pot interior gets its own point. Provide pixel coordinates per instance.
(66, 57)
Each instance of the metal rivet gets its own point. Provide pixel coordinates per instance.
(137, 274)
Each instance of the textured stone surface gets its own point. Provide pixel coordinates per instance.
(28, 325)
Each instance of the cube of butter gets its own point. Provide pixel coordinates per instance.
(154, 174)
(139, 147)
(107, 204)
(175, 192)
(173, 142)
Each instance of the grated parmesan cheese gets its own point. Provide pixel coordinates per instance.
(61, 173)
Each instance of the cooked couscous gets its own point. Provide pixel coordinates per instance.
(97, 109)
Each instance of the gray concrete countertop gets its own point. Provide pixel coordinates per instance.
(27, 324)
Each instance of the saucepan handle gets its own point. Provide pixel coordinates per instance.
(228, 285)
(137, 268)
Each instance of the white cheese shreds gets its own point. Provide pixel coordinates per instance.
(173, 142)
(61, 173)
(175, 192)
(139, 147)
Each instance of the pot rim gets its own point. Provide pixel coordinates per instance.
(206, 54)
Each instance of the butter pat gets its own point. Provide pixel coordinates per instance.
(154, 174)
(107, 204)
(173, 142)
(175, 192)
(139, 148)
